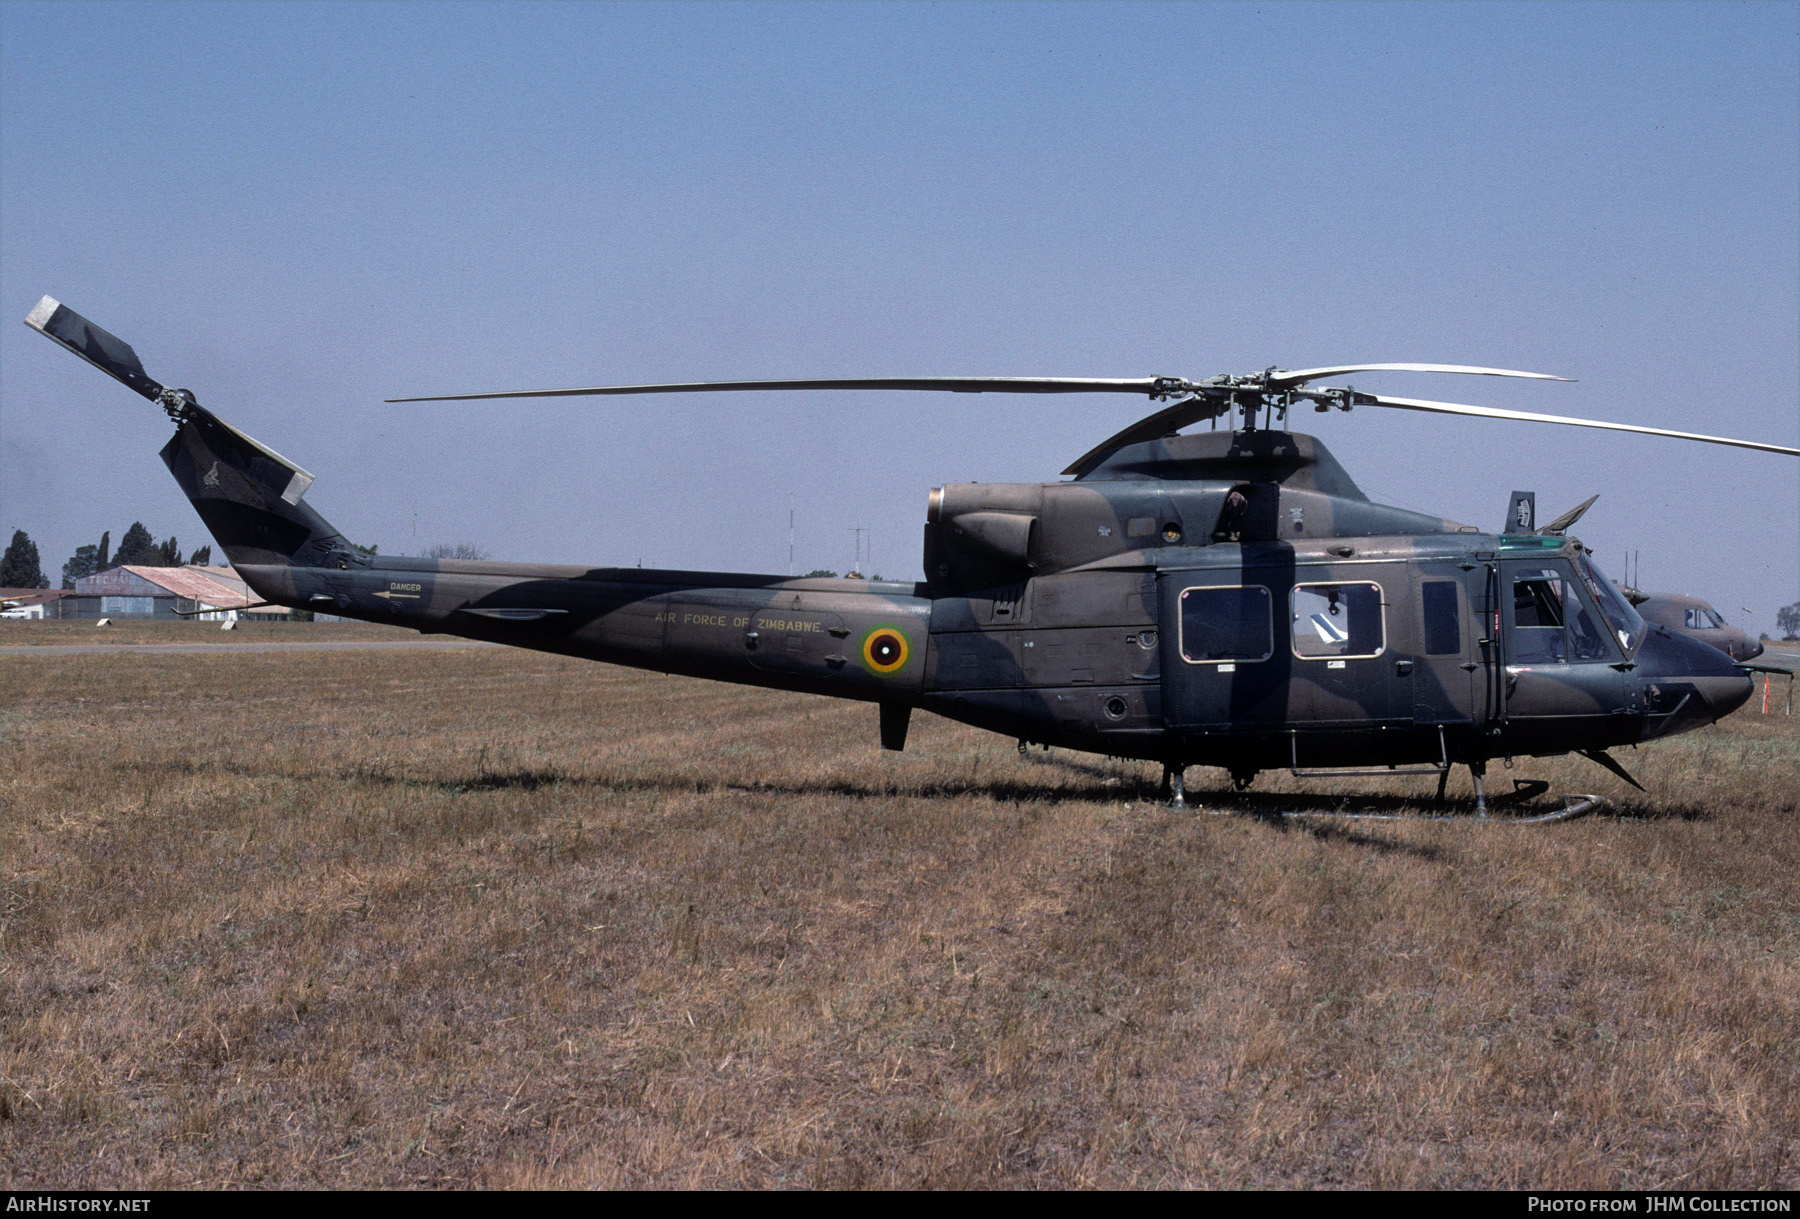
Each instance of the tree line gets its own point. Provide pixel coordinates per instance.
(22, 568)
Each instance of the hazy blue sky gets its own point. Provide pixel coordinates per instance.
(299, 210)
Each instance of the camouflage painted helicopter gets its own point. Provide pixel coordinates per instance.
(1226, 598)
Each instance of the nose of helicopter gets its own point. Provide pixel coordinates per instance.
(1746, 648)
(1688, 683)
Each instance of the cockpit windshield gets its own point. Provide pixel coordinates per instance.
(1627, 626)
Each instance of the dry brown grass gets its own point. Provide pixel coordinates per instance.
(490, 918)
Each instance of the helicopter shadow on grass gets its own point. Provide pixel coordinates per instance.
(1272, 809)
(536, 779)
(1641, 810)
(1102, 786)
(1285, 811)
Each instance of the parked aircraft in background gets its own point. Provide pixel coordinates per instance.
(1695, 618)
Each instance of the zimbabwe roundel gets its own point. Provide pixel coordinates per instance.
(884, 651)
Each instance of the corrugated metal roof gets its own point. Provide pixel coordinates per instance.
(189, 583)
(224, 575)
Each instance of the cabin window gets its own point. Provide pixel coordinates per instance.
(1704, 620)
(1224, 625)
(1551, 623)
(1443, 618)
(1336, 621)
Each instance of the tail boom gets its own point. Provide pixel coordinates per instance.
(841, 637)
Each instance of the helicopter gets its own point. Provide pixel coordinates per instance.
(1226, 598)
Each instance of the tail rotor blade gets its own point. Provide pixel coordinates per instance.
(108, 352)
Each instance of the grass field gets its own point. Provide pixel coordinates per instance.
(490, 918)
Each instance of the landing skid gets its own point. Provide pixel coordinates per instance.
(1174, 794)
(1574, 805)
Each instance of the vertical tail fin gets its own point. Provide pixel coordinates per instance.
(249, 496)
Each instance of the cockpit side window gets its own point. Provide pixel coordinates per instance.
(1552, 623)
(1704, 618)
(1628, 627)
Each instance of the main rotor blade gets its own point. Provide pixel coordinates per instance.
(1284, 378)
(108, 352)
(1152, 386)
(1489, 412)
(1155, 387)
